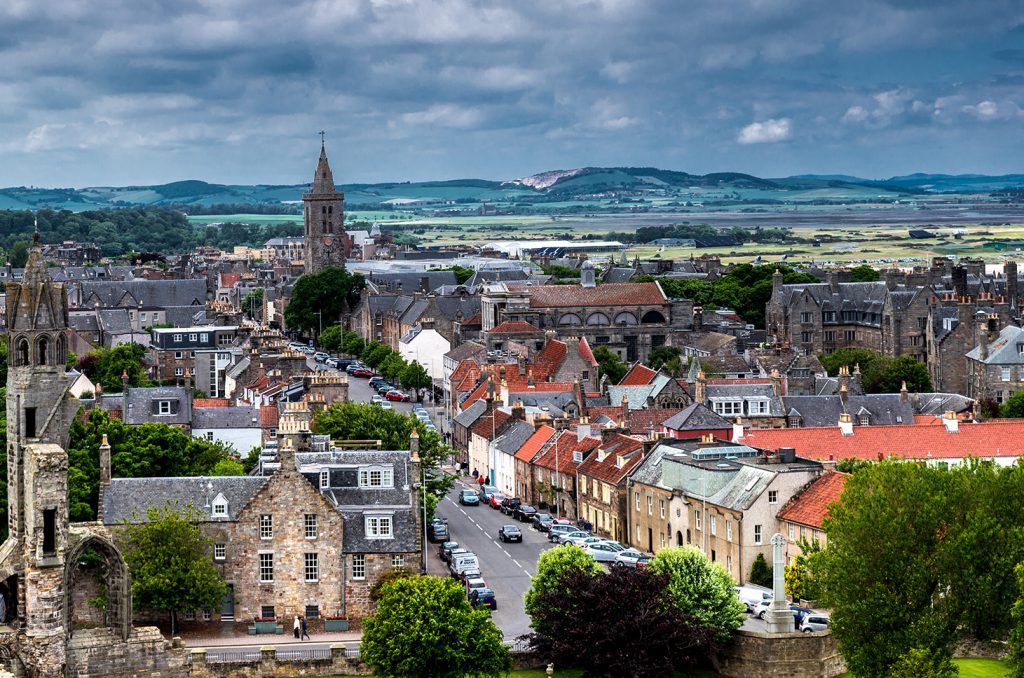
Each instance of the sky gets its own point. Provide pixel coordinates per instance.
(134, 92)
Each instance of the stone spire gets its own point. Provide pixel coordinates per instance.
(35, 267)
(323, 180)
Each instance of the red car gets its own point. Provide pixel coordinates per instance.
(495, 500)
(362, 372)
(397, 396)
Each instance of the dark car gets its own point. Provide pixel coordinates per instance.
(376, 381)
(524, 513)
(510, 533)
(510, 504)
(383, 387)
(343, 363)
(444, 551)
(469, 498)
(437, 531)
(485, 597)
(543, 522)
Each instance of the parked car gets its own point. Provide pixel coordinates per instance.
(751, 594)
(376, 399)
(445, 550)
(343, 363)
(510, 533)
(627, 558)
(486, 491)
(496, 499)
(815, 622)
(474, 584)
(602, 551)
(362, 372)
(385, 405)
(384, 387)
(543, 522)
(376, 381)
(464, 566)
(321, 357)
(524, 513)
(355, 366)
(397, 396)
(644, 560)
(510, 504)
(570, 537)
(582, 542)
(557, 530)
(468, 498)
(437, 531)
(296, 346)
(485, 597)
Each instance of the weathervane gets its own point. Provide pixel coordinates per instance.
(321, 133)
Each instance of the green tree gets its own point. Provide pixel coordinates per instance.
(115, 362)
(331, 339)
(610, 364)
(18, 255)
(863, 273)
(375, 354)
(392, 366)
(252, 304)
(1013, 407)
(171, 562)
(883, 546)
(388, 576)
(701, 589)
(667, 357)
(228, 467)
(251, 459)
(848, 357)
(761, 572)
(888, 374)
(924, 663)
(799, 582)
(553, 569)
(320, 299)
(415, 376)
(1016, 643)
(352, 344)
(425, 628)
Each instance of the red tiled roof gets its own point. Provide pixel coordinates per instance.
(514, 327)
(586, 353)
(638, 375)
(607, 470)
(229, 279)
(483, 426)
(551, 356)
(611, 294)
(564, 445)
(210, 402)
(534, 443)
(810, 506)
(995, 438)
(270, 415)
(474, 319)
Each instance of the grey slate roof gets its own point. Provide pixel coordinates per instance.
(150, 293)
(748, 391)
(410, 282)
(1002, 351)
(882, 409)
(514, 437)
(141, 402)
(468, 349)
(225, 417)
(128, 498)
(938, 403)
(468, 416)
(115, 321)
(695, 417)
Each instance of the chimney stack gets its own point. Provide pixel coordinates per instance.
(950, 421)
(583, 429)
(414, 446)
(904, 394)
(737, 430)
(104, 462)
(846, 424)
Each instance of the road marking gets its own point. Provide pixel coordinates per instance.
(479, 527)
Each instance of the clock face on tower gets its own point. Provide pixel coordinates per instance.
(328, 241)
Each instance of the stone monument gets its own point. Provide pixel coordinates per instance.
(779, 616)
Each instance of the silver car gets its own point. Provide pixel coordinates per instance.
(815, 622)
(627, 558)
(602, 551)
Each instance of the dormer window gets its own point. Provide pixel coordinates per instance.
(376, 477)
(165, 407)
(577, 457)
(220, 507)
(325, 479)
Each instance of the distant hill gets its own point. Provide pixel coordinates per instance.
(611, 184)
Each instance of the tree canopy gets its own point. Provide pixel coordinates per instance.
(553, 567)
(700, 588)
(107, 365)
(424, 627)
(320, 299)
(863, 273)
(880, 373)
(171, 562)
(610, 364)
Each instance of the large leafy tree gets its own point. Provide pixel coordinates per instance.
(328, 293)
(110, 364)
(1013, 407)
(352, 344)
(553, 569)
(331, 339)
(880, 373)
(863, 273)
(1017, 631)
(414, 376)
(374, 354)
(425, 628)
(667, 357)
(609, 364)
(170, 561)
(701, 589)
(622, 623)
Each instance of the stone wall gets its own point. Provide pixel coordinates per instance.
(268, 665)
(786, 655)
(97, 653)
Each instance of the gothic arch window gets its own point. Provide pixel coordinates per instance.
(22, 352)
(625, 318)
(570, 319)
(652, 317)
(62, 350)
(598, 320)
(42, 351)
(112, 570)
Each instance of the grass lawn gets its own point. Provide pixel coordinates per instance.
(975, 668)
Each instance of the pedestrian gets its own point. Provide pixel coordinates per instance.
(475, 473)
(474, 598)
(295, 627)
(305, 630)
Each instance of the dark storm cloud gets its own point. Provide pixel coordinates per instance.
(234, 91)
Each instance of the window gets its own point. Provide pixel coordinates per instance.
(377, 477)
(850, 335)
(728, 563)
(192, 336)
(267, 612)
(30, 422)
(807, 337)
(830, 316)
(359, 566)
(311, 526)
(830, 335)
(142, 316)
(713, 521)
(1020, 349)
(661, 506)
(312, 567)
(696, 518)
(190, 615)
(815, 535)
(209, 435)
(636, 496)
(728, 530)
(204, 337)
(398, 560)
(325, 479)
(803, 532)
(1005, 374)
(49, 532)
(805, 317)
(177, 355)
(728, 407)
(758, 406)
(791, 532)
(266, 526)
(378, 527)
(773, 496)
(757, 534)
(638, 533)
(266, 567)
(207, 615)
(177, 337)
(312, 612)
(714, 556)
(164, 406)
(220, 551)
(650, 504)
(220, 507)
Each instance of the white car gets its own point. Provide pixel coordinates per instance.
(385, 405)
(627, 558)
(602, 551)
(761, 609)
(475, 583)
(376, 400)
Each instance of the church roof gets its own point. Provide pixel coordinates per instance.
(323, 180)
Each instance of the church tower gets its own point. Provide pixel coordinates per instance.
(326, 243)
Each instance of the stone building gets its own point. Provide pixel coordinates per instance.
(601, 481)
(323, 215)
(995, 367)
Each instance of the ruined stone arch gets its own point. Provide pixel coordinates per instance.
(118, 581)
(22, 353)
(598, 319)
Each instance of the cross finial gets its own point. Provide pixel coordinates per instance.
(322, 134)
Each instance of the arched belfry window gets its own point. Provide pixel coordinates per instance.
(62, 350)
(23, 351)
(42, 350)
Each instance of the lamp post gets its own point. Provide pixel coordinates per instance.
(423, 488)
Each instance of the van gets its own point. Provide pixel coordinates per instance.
(752, 594)
(464, 563)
